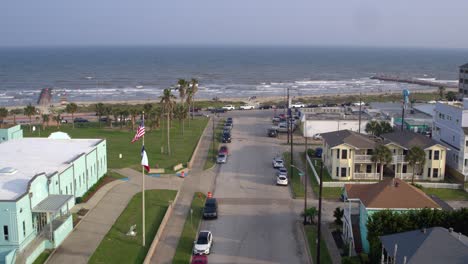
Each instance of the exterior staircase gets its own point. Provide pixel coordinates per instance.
(356, 233)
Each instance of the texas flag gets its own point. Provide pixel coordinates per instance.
(144, 159)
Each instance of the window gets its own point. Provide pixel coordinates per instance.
(436, 155)
(435, 173)
(24, 229)
(378, 169)
(466, 143)
(368, 168)
(5, 233)
(405, 152)
(344, 154)
(338, 153)
(337, 171)
(343, 172)
(453, 138)
(428, 173)
(66, 189)
(404, 169)
(430, 154)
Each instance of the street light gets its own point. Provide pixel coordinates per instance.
(301, 173)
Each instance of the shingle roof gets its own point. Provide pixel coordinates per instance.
(435, 245)
(390, 193)
(410, 139)
(464, 65)
(354, 139)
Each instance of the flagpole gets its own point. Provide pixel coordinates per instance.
(143, 186)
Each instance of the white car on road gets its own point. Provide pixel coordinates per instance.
(229, 107)
(203, 244)
(246, 107)
(278, 163)
(282, 180)
(297, 105)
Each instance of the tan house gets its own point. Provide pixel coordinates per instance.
(348, 156)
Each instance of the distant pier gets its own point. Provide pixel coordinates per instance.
(413, 81)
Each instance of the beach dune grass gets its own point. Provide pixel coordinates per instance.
(116, 246)
(189, 233)
(118, 142)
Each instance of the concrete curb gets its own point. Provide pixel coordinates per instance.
(198, 229)
(163, 224)
(306, 242)
(195, 151)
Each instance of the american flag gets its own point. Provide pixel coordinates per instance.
(140, 131)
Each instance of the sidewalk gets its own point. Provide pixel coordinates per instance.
(198, 180)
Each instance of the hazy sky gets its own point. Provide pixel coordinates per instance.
(426, 23)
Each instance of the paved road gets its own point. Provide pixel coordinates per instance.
(258, 220)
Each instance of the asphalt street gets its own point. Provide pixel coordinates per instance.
(257, 220)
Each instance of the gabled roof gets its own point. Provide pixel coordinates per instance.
(390, 193)
(434, 245)
(464, 65)
(408, 139)
(354, 139)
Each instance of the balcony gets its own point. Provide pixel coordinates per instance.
(398, 158)
(366, 176)
(363, 158)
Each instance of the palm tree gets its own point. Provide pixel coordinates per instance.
(441, 91)
(372, 127)
(3, 115)
(133, 111)
(123, 117)
(182, 89)
(71, 108)
(194, 85)
(147, 107)
(108, 112)
(416, 156)
(15, 112)
(383, 156)
(180, 112)
(168, 105)
(45, 121)
(30, 111)
(100, 110)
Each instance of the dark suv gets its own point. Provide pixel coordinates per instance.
(211, 208)
(226, 138)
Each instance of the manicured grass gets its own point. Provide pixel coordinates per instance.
(42, 257)
(117, 247)
(213, 150)
(115, 175)
(185, 246)
(118, 142)
(311, 233)
(327, 192)
(294, 179)
(448, 194)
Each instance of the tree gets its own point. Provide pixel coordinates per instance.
(180, 112)
(123, 117)
(451, 96)
(71, 108)
(30, 111)
(377, 128)
(57, 118)
(310, 214)
(3, 115)
(108, 112)
(100, 110)
(133, 111)
(147, 107)
(383, 156)
(338, 214)
(385, 127)
(416, 156)
(45, 121)
(182, 84)
(168, 105)
(441, 91)
(372, 127)
(191, 91)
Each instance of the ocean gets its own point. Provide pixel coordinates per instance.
(135, 73)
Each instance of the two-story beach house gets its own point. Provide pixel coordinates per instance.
(363, 200)
(348, 156)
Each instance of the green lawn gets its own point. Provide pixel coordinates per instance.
(118, 142)
(115, 175)
(327, 192)
(213, 150)
(42, 257)
(117, 247)
(185, 246)
(311, 233)
(294, 179)
(448, 194)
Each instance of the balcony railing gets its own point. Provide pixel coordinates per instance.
(362, 158)
(366, 176)
(398, 158)
(407, 176)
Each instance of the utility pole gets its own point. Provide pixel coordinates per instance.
(287, 112)
(319, 224)
(360, 107)
(305, 179)
(213, 136)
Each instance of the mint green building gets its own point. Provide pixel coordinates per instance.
(39, 181)
(13, 132)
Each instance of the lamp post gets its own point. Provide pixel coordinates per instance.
(319, 224)
(301, 173)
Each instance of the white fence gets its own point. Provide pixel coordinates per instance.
(440, 185)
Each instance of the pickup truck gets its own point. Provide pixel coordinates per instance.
(229, 107)
(246, 107)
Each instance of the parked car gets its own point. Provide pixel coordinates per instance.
(278, 163)
(229, 107)
(272, 132)
(246, 107)
(229, 119)
(265, 106)
(317, 137)
(276, 119)
(210, 210)
(318, 152)
(104, 119)
(228, 126)
(222, 158)
(80, 120)
(282, 180)
(223, 150)
(199, 259)
(282, 171)
(203, 244)
(218, 110)
(226, 137)
(297, 105)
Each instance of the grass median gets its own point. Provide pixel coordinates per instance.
(448, 194)
(116, 246)
(311, 233)
(327, 192)
(184, 248)
(214, 146)
(294, 179)
(118, 142)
